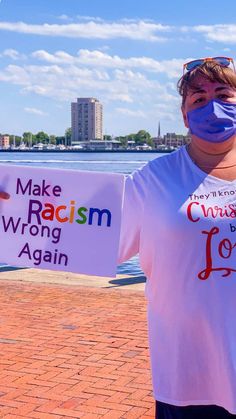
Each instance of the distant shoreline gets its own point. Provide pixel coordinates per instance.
(86, 151)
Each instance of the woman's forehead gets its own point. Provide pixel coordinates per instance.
(202, 83)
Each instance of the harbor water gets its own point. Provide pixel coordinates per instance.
(117, 162)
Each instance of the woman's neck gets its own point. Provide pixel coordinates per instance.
(213, 156)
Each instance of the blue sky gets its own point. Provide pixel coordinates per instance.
(128, 54)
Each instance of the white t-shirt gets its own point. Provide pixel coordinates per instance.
(183, 224)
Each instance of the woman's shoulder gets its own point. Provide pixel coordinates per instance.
(168, 161)
(161, 167)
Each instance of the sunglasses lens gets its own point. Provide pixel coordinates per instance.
(193, 64)
(224, 61)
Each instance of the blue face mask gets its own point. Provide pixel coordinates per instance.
(215, 122)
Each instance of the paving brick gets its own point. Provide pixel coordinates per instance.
(115, 406)
(102, 383)
(82, 409)
(10, 403)
(112, 414)
(48, 406)
(137, 403)
(151, 411)
(72, 403)
(82, 386)
(117, 397)
(73, 352)
(140, 395)
(123, 380)
(135, 413)
(26, 409)
(11, 394)
(6, 411)
(101, 391)
(40, 415)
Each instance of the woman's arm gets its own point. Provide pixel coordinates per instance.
(132, 214)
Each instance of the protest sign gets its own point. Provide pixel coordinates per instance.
(60, 219)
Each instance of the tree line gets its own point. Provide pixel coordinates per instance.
(30, 139)
(140, 138)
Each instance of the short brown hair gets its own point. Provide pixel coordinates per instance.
(210, 70)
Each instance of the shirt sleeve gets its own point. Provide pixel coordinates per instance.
(131, 222)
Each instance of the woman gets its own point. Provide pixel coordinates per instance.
(180, 215)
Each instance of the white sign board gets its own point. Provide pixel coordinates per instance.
(61, 219)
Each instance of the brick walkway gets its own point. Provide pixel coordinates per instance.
(73, 352)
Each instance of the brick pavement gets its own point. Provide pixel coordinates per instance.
(73, 352)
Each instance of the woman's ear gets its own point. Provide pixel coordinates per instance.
(185, 118)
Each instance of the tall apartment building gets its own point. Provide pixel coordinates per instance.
(86, 120)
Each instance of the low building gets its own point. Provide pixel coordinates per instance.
(175, 140)
(38, 146)
(143, 147)
(101, 145)
(4, 141)
(131, 145)
(171, 140)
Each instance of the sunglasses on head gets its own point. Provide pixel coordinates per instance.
(222, 61)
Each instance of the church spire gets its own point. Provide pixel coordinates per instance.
(159, 130)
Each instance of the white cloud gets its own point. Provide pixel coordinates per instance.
(15, 75)
(184, 29)
(60, 57)
(172, 68)
(35, 111)
(91, 27)
(128, 85)
(218, 33)
(104, 48)
(64, 83)
(139, 30)
(131, 113)
(92, 18)
(13, 54)
(64, 17)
